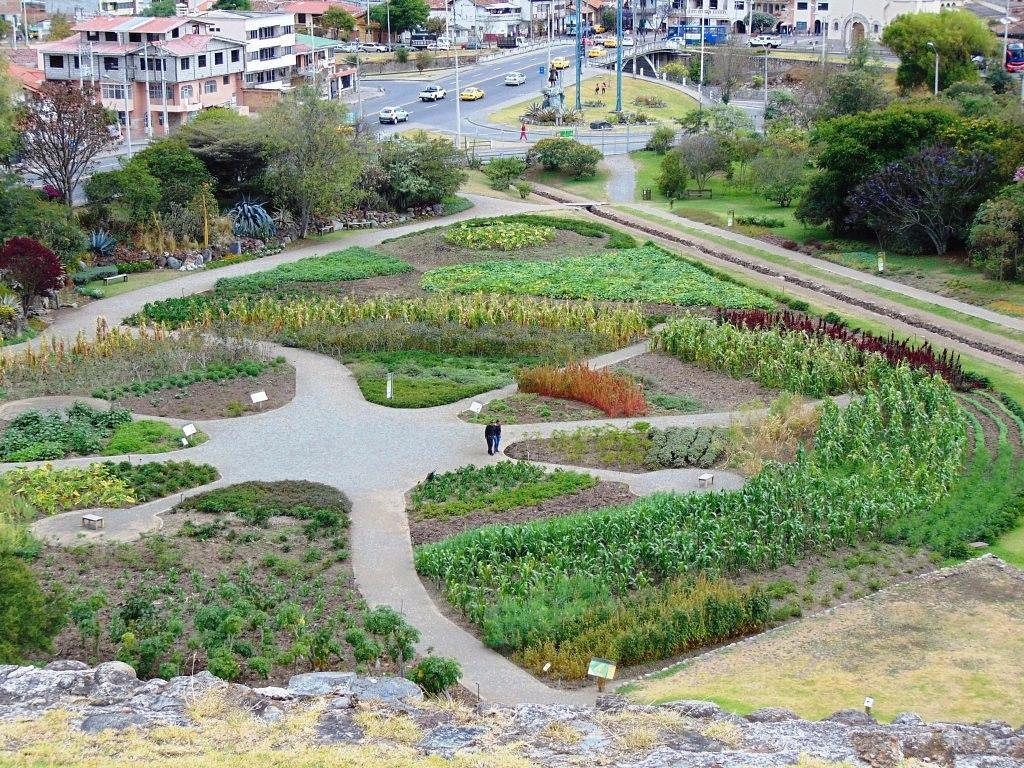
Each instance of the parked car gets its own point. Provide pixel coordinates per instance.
(610, 42)
(515, 78)
(560, 62)
(765, 41)
(599, 28)
(440, 45)
(393, 115)
(600, 125)
(432, 93)
(595, 52)
(373, 48)
(471, 94)
(350, 48)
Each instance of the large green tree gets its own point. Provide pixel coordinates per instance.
(955, 34)
(313, 157)
(177, 168)
(29, 618)
(24, 212)
(60, 27)
(405, 14)
(339, 20)
(232, 147)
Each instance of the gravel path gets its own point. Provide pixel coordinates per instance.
(622, 181)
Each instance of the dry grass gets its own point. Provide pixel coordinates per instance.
(224, 737)
(949, 649)
(561, 732)
(400, 729)
(789, 422)
(728, 733)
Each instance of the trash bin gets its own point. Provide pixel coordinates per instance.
(646, 194)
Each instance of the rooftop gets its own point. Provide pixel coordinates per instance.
(150, 24)
(315, 41)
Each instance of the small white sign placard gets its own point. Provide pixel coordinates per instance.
(189, 429)
(184, 442)
(869, 702)
(476, 407)
(258, 397)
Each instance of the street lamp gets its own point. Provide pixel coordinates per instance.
(932, 46)
(618, 57)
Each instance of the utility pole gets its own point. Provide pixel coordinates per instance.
(387, 8)
(766, 49)
(618, 57)
(700, 85)
(149, 103)
(449, 22)
(632, 33)
(824, 39)
(936, 49)
(579, 54)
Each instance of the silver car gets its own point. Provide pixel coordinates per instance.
(393, 115)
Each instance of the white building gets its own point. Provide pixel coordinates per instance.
(269, 44)
(848, 21)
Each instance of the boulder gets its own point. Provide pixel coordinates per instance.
(336, 726)
(386, 689)
(66, 665)
(449, 738)
(113, 681)
(851, 717)
(703, 710)
(877, 748)
(908, 718)
(114, 721)
(772, 715)
(173, 262)
(321, 683)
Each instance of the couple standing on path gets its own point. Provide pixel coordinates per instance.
(492, 434)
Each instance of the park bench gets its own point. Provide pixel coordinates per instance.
(691, 193)
(363, 224)
(706, 480)
(115, 279)
(93, 522)
(325, 229)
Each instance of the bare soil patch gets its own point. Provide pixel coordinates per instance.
(216, 399)
(604, 494)
(948, 646)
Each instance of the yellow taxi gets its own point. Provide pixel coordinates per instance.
(598, 28)
(610, 42)
(560, 62)
(471, 94)
(595, 52)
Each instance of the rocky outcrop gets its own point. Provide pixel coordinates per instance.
(685, 734)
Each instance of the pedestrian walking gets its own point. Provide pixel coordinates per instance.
(522, 131)
(489, 437)
(597, 89)
(496, 439)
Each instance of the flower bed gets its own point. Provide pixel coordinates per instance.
(614, 393)
(503, 236)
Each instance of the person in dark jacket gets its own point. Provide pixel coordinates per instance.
(489, 437)
(496, 435)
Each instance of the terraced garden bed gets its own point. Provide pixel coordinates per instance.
(252, 582)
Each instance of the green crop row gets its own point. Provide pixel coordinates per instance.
(648, 274)
(350, 264)
(503, 236)
(493, 488)
(594, 229)
(215, 372)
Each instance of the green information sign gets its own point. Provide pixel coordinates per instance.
(566, 133)
(601, 668)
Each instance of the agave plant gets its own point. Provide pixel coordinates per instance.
(251, 219)
(101, 242)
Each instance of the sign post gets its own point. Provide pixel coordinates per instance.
(258, 398)
(390, 390)
(602, 669)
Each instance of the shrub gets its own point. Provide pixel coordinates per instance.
(93, 273)
(760, 221)
(30, 268)
(662, 139)
(613, 393)
(131, 267)
(31, 617)
(566, 155)
(581, 161)
(684, 447)
(501, 171)
(58, 490)
(674, 175)
(101, 243)
(523, 189)
(146, 436)
(436, 674)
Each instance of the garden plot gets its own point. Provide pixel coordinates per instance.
(252, 582)
(504, 493)
(948, 646)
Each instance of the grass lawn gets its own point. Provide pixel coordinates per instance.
(594, 188)
(949, 649)
(134, 282)
(677, 102)
(1010, 547)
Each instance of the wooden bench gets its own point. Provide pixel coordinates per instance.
(706, 480)
(691, 193)
(325, 229)
(115, 279)
(364, 224)
(93, 522)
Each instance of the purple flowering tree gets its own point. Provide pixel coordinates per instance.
(930, 195)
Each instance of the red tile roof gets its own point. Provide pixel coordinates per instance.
(30, 79)
(318, 7)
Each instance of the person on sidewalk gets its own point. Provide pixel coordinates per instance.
(489, 437)
(522, 131)
(496, 436)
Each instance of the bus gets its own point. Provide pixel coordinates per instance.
(1015, 57)
(714, 34)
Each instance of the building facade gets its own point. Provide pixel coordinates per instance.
(269, 40)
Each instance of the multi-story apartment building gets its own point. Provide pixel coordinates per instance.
(320, 60)
(728, 13)
(847, 21)
(269, 40)
(153, 72)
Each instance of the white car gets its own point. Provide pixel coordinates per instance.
(440, 45)
(765, 41)
(627, 41)
(515, 78)
(373, 48)
(432, 93)
(350, 48)
(394, 115)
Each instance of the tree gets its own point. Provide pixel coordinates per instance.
(416, 170)
(312, 162)
(29, 618)
(62, 130)
(178, 170)
(397, 636)
(608, 18)
(404, 14)
(164, 8)
(929, 196)
(31, 268)
(502, 170)
(436, 26)
(231, 146)
(6, 29)
(126, 198)
(779, 173)
(424, 59)
(957, 35)
(233, 5)
(855, 146)
(60, 27)
(24, 212)
(581, 161)
(662, 139)
(674, 175)
(853, 91)
(732, 64)
(338, 19)
(996, 238)
(704, 155)
(762, 22)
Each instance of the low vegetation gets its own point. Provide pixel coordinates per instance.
(503, 236)
(614, 393)
(647, 274)
(494, 488)
(213, 372)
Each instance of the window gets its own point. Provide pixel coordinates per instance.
(876, 29)
(110, 37)
(226, 79)
(202, 61)
(835, 26)
(286, 29)
(112, 91)
(110, 63)
(801, 6)
(252, 34)
(186, 92)
(155, 65)
(218, 58)
(134, 37)
(92, 35)
(155, 92)
(210, 86)
(822, 6)
(77, 64)
(57, 62)
(186, 63)
(175, 32)
(234, 54)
